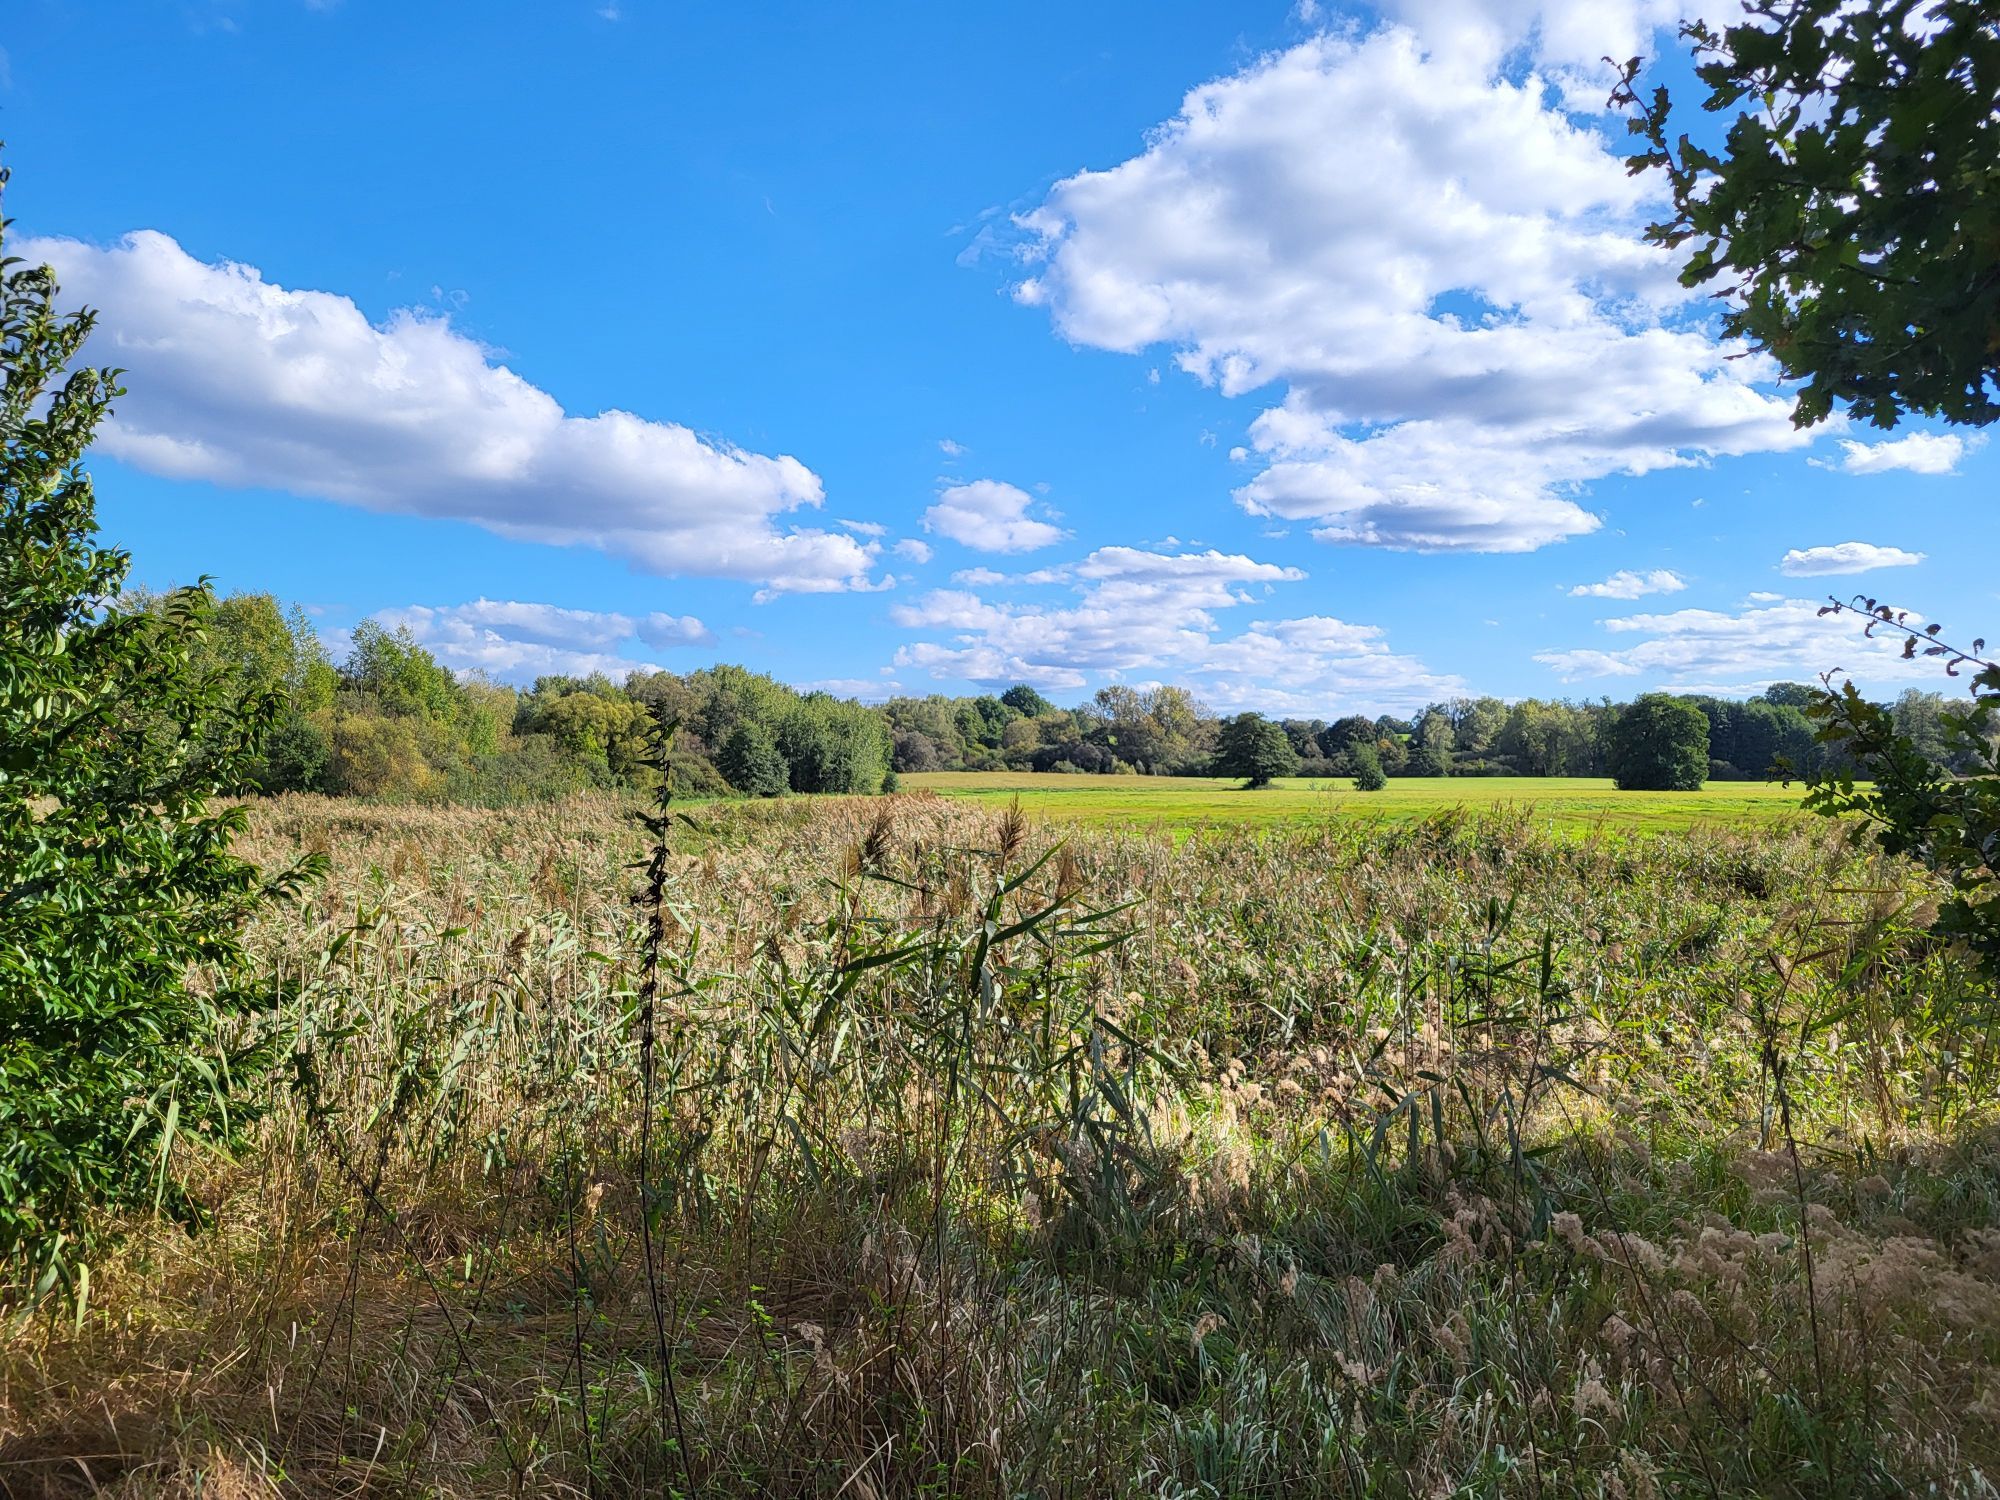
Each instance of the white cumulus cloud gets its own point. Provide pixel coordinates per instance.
(1919, 453)
(236, 380)
(1844, 557)
(990, 516)
(1437, 263)
(1626, 584)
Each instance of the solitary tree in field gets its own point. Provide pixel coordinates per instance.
(115, 879)
(1368, 774)
(1254, 748)
(1659, 743)
(1852, 220)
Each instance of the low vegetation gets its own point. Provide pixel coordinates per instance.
(1574, 804)
(937, 1155)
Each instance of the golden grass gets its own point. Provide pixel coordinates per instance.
(1425, 1158)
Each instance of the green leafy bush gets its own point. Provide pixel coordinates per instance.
(1938, 804)
(115, 878)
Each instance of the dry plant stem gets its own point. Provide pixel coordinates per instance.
(1777, 1066)
(571, 1181)
(653, 899)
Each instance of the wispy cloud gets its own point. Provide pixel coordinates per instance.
(1844, 557)
(517, 641)
(1626, 584)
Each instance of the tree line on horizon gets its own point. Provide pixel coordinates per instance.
(391, 721)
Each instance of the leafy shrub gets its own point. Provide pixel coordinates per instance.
(1917, 802)
(298, 757)
(115, 879)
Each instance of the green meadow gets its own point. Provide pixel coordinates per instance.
(1186, 802)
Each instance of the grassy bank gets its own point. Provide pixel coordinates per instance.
(1566, 802)
(1401, 1158)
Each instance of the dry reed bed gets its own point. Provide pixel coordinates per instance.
(1440, 1159)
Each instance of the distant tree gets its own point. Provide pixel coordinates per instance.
(750, 761)
(1116, 701)
(1127, 730)
(1919, 717)
(1186, 730)
(833, 745)
(595, 724)
(1304, 735)
(298, 757)
(1769, 735)
(1659, 743)
(1547, 739)
(1792, 694)
(983, 720)
(1477, 722)
(379, 755)
(1431, 745)
(1851, 217)
(915, 751)
(399, 672)
(117, 879)
(665, 697)
(1252, 747)
(930, 724)
(1428, 761)
(1342, 735)
(1026, 702)
(1367, 762)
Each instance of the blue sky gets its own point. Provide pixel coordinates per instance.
(1309, 357)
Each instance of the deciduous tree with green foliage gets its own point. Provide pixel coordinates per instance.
(1254, 748)
(116, 880)
(750, 761)
(1852, 220)
(1658, 743)
(1368, 774)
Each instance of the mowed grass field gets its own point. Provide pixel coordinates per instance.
(1186, 802)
